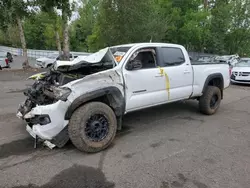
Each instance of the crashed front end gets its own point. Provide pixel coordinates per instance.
(45, 107)
(47, 100)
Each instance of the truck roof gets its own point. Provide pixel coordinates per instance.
(147, 44)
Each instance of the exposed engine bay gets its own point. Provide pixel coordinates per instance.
(47, 99)
(43, 90)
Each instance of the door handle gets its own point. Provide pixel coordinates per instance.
(186, 71)
(159, 75)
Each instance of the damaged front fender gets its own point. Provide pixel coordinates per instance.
(112, 95)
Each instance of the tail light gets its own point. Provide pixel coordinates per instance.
(7, 61)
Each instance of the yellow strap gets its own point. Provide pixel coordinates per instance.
(162, 72)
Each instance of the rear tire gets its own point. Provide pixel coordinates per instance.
(92, 127)
(210, 100)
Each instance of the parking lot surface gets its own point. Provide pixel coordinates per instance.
(171, 146)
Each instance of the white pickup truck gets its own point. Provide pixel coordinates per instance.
(85, 101)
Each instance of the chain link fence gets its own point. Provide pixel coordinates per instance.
(45, 53)
(35, 53)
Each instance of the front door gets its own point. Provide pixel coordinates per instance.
(145, 86)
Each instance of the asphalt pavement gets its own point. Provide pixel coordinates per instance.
(171, 146)
(18, 60)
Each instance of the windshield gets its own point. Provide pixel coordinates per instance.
(243, 63)
(119, 52)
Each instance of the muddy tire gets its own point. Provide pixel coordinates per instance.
(92, 127)
(210, 100)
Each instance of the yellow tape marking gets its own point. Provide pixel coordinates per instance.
(162, 72)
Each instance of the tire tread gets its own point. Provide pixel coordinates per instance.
(74, 129)
(204, 103)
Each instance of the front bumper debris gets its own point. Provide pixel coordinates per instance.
(45, 122)
(46, 142)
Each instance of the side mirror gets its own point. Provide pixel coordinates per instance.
(134, 65)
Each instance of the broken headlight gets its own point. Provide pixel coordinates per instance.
(61, 93)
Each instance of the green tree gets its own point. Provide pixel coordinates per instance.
(66, 8)
(237, 38)
(195, 32)
(220, 21)
(12, 12)
(124, 21)
(83, 26)
(34, 28)
(10, 37)
(40, 31)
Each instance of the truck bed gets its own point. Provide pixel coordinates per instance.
(207, 62)
(202, 70)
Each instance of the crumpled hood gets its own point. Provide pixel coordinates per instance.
(93, 82)
(104, 54)
(241, 69)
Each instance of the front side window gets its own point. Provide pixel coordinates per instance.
(145, 57)
(172, 56)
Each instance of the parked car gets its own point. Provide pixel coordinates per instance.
(46, 62)
(241, 72)
(4, 62)
(205, 58)
(232, 60)
(85, 101)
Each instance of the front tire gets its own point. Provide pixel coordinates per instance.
(210, 100)
(92, 127)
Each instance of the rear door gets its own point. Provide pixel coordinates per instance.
(178, 72)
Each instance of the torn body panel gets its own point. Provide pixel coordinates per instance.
(55, 112)
(102, 57)
(48, 116)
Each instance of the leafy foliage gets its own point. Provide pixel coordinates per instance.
(214, 26)
(11, 13)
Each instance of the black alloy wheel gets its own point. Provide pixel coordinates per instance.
(97, 127)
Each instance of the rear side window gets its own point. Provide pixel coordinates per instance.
(172, 56)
